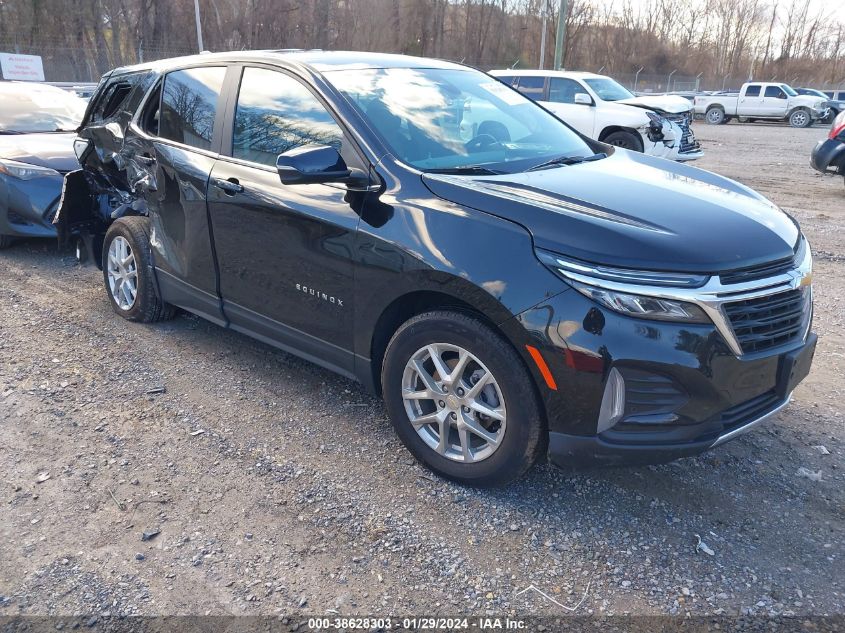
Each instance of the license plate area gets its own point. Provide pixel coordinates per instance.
(795, 366)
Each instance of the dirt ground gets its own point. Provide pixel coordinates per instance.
(279, 488)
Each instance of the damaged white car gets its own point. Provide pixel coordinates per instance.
(599, 107)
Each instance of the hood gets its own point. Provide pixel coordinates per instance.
(633, 211)
(50, 149)
(668, 104)
(809, 101)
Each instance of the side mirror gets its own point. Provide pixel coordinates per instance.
(582, 98)
(311, 164)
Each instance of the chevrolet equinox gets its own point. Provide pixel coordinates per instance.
(510, 287)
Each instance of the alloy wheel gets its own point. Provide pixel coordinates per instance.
(122, 273)
(454, 402)
(799, 119)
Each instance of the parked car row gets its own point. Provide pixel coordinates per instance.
(509, 286)
(602, 109)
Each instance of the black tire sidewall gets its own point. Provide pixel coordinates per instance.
(135, 231)
(634, 142)
(519, 448)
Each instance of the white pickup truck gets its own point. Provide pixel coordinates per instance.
(600, 108)
(763, 101)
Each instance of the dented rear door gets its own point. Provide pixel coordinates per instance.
(177, 151)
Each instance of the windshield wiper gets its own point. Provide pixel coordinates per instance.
(567, 160)
(466, 170)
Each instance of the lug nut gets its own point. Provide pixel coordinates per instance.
(466, 409)
(453, 415)
(441, 404)
(460, 392)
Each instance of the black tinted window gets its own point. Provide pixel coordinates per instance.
(564, 90)
(507, 79)
(189, 105)
(532, 87)
(275, 113)
(774, 91)
(752, 91)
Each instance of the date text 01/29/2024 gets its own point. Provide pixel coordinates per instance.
(417, 623)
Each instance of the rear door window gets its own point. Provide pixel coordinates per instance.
(274, 114)
(752, 91)
(532, 87)
(562, 90)
(189, 104)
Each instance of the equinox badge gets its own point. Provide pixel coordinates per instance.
(320, 295)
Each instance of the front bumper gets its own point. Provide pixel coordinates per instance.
(686, 390)
(27, 206)
(678, 142)
(828, 156)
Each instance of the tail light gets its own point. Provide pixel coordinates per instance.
(838, 126)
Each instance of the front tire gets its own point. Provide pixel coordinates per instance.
(461, 399)
(625, 140)
(128, 272)
(800, 118)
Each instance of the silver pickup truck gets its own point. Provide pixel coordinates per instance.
(763, 101)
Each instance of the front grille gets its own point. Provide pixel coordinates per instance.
(771, 321)
(770, 269)
(688, 140)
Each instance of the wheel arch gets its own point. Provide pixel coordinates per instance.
(610, 129)
(407, 306)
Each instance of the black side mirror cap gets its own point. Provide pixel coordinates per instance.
(312, 164)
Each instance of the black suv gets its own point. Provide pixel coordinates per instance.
(509, 286)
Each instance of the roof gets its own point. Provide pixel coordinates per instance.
(572, 74)
(317, 60)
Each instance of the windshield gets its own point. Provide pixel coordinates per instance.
(788, 90)
(31, 108)
(448, 119)
(609, 90)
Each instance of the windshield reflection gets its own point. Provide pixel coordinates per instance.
(449, 118)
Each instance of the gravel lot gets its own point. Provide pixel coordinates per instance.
(279, 488)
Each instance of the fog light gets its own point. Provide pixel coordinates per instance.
(612, 402)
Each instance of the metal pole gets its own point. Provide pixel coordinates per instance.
(637, 77)
(724, 80)
(560, 36)
(698, 81)
(543, 43)
(669, 81)
(199, 26)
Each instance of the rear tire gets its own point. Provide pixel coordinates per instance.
(128, 272)
(484, 374)
(715, 116)
(625, 140)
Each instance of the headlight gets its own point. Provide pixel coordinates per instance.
(589, 279)
(644, 307)
(23, 171)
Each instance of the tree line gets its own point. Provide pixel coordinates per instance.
(790, 40)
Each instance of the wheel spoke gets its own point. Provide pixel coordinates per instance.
(425, 394)
(445, 427)
(464, 436)
(474, 427)
(428, 379)
(475, 390)
(460, 366)
(480, 407)
(431, 418)
(441, 367)
(129, 259)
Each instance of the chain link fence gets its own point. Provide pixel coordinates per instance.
(84, 65)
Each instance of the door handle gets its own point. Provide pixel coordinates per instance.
(229, 187)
